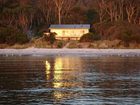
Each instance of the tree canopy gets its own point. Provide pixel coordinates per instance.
(34, 16)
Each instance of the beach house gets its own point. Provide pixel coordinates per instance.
(70, 32)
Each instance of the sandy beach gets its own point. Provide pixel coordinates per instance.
(84, 52)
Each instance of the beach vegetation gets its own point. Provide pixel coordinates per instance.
(90, 37)
(60, 44)
(51, 38)
(12, 36)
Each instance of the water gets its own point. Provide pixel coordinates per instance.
(69, 80)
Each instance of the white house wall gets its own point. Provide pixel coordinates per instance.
(70, 32)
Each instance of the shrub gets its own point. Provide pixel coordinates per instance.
(136, 38)
(11, 36)
(129, 36)
(2, 36)
(60, 44)
(126, 37)
(89, 37)
(51, 38)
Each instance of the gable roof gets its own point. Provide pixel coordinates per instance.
(70, 26)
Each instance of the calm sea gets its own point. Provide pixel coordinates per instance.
(69, 80)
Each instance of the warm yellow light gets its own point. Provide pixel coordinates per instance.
(58, 72)
(58, 64)
(69, 32)
(48, 65)
(58, 95)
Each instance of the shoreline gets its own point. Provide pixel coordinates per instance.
(76, 52)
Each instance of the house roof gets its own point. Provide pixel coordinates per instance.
(70, 26)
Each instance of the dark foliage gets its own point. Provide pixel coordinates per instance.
(90, 37)
(92, 16)
(128, 36)
(12, 36)
(51, 38)
(60, 44)
(24, 16)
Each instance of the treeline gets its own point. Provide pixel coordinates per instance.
(32, 17)
(119, 10)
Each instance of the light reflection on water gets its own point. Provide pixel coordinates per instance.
(69, 80)
(55, 70)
